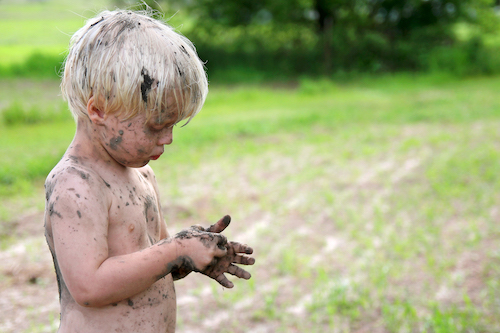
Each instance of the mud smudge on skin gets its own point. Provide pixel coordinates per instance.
(106, 183)
(52, 211)
(74, 159)
(61, 285)
(151, 239)
(49, 189)
(115, 142)
(206, 238)
(149, 203)
(180, 266)
(79, 172)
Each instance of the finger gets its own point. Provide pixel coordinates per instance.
(198, 227)
(220, 225)
(244, 260)
(222, 279)
(239, 272)
(241, 248)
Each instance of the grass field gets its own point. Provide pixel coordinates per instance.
(45, 26)
(372, 205)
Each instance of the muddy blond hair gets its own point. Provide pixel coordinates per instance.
(131, 64)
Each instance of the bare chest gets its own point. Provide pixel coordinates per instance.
(134, 216)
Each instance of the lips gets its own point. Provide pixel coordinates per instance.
(155, 157)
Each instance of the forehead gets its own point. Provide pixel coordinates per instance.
(170, 109)
(164, 117)
(167, 113)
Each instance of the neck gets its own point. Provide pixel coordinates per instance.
(87, 145)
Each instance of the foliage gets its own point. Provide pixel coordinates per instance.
(36, 65)
(318, 36)
(17, 114)
(261, 40)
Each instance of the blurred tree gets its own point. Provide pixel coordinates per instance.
(350, 34)
(427, 22)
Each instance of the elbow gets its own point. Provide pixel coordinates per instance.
(89, 302)
(86, 300)
(86, 297)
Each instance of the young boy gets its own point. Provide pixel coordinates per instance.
(128, 80)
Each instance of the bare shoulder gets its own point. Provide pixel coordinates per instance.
(70, 177)
(76, 208)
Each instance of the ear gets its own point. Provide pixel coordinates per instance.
(95, 113)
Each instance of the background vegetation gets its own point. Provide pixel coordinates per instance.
(366, 181)
(260, 39)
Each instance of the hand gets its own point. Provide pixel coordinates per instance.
(198, 249)
(233, 256)
(181, 271)
(226, 264)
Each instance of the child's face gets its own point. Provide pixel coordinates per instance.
(135, 142)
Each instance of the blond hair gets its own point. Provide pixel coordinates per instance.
(131, 64)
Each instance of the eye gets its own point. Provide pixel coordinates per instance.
(158, 128)
(154, 129)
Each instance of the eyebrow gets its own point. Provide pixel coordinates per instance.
(171, 117)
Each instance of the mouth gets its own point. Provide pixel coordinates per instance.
(155, 157)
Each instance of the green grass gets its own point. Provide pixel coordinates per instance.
(400, 172)
(45, 27)
(371, 204)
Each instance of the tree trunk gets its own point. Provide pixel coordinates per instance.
(326, 21)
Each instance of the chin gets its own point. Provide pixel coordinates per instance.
(139, 165)
(129, 164)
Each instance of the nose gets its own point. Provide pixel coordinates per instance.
(166, 137)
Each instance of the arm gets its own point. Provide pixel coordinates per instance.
(78, 213)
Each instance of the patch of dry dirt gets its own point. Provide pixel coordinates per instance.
(28, 289)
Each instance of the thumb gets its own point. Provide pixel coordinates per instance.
(220, 225)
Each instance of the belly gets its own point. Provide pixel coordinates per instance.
(153, 310)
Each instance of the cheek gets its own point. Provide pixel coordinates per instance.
(148, 137)
(144, 143)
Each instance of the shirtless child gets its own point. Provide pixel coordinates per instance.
(128, 80)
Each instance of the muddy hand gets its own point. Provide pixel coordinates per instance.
(200, 249)
(236, 254)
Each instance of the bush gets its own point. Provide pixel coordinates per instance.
(37, 65)
(319, 86)
(468, 58)
(17, 114)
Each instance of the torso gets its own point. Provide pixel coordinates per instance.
(135, 222)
